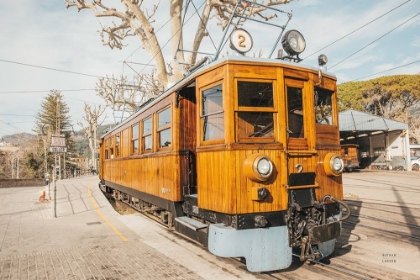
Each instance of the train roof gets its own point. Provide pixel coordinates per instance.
(202, 69)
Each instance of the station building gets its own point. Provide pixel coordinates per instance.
(382, 143)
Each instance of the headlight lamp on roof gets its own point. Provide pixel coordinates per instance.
(293, 42)
(322, 60)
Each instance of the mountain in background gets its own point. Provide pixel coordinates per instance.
(81, 142)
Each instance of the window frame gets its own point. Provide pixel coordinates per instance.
(202, 116)
(160, 129)
(148, 134)
(134, 138)
(295, 83)
(111, 147)
(118, 144)
(250, 109)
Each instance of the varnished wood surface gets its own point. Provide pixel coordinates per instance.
(220, 181)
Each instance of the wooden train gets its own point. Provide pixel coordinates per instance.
(350, 156)
(242, 155)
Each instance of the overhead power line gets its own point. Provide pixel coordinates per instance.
(49, 68)
(361, 27)
(44, 91)
(386, 70)
(375, 40)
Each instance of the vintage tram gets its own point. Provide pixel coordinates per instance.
(242, 155)
(350, 156)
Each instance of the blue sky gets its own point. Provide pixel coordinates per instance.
(45, 33)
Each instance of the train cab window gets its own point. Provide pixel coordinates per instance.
(295, 114)
(164, 128)
(147, 135)
(255, 116)
(212, 113)
(323, 106)
(135, 138)
(117, 144)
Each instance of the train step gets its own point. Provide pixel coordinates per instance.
(193, 229)
(190, 223)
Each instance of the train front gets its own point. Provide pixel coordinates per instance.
(269, 161)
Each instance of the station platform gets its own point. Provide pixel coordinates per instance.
(88, 239)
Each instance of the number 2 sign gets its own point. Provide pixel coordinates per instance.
(240, 40)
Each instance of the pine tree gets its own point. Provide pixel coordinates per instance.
(54, 113)
(47, 119)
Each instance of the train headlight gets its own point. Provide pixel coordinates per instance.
(293, 42)
(258, 167)
(333, 164)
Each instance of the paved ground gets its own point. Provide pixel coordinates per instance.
(89, 240)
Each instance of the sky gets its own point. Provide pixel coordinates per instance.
(48, 47)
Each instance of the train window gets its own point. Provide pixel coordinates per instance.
(117, 144)
(164, 128)
(295, 112)
(323, 106)
(252, 94)
(106, 154)
(212, 113)
(147, 135)
(255, 124)
(135, 138)
(256, 109)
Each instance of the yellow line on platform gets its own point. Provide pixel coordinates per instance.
(103, 217)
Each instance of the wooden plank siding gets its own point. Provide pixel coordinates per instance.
(156, 173)
(221, 185)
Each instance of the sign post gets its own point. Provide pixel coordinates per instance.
(58, 145)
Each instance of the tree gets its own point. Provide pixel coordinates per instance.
(53, 118)
(91, 117)
(388, 96)
(53, 115)
(136, 20)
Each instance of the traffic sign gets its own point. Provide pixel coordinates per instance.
(58, 149)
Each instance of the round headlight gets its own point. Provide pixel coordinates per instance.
(264, 167)
(337, 164)
(258, 167)
(333, 164)
(293, 42)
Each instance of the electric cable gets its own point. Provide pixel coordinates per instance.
(357, 29)
(385, 71)
(49, 68)
(375, 40)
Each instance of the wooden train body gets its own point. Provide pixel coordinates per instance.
(243, 156)
(350, 156)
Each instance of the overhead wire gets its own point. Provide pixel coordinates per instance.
(375, 40)
(49, 68)
(160, 50)
(357, 29)
(400, 66)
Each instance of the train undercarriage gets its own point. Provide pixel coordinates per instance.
(308, 228)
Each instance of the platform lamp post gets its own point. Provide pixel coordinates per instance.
(58, 145)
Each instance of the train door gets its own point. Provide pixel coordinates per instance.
(188, 139)
(301, 170)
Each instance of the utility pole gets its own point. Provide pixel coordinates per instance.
(57, 132)
(95, 126)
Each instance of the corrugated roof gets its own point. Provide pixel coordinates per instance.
(351, 120)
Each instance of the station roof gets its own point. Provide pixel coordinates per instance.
(355, 123)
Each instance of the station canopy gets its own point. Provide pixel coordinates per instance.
(360, 124)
